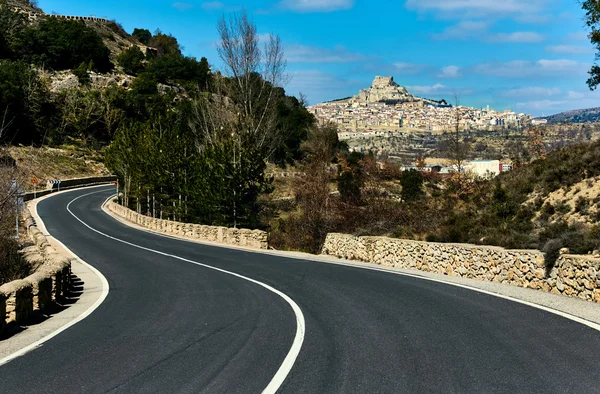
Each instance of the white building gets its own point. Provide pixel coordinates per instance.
(484, 168)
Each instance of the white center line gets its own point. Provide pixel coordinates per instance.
(292, 355)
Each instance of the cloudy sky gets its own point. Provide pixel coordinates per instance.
(530, 56)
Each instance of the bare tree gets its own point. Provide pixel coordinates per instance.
(457, 149)
(255, 75)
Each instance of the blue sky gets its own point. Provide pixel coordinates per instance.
(529, 56)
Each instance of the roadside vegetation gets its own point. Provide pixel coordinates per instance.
(198, 145)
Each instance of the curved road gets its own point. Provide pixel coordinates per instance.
(169, 326)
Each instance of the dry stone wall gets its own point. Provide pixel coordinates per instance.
(241, 237)
(575, 276)
(20, 299)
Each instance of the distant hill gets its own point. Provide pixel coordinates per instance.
(589, 115)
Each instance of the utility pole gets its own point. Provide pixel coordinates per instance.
(234, 185)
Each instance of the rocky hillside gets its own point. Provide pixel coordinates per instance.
(65, 162)
(111, 32)
(589, 115)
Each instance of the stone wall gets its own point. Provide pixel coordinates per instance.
(80, 18)
(20, 299)
(575, 276)
(241, 237)
(70, 184)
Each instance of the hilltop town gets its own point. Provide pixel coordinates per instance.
(388, 107)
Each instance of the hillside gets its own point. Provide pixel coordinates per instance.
(588, 115)
(111, 32)
(65, 162)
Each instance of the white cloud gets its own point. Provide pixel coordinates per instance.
(542, 105)
(310, 54)
(463, 30)
(316, 5)
(478, 30)
(566, 101)
(527, 69)
(478, 8)
(182, 6)
(407, 68)
(320, 86)
(580, 36)
(437, 88)
(571, 95)
(449, 72)
(571, 49)
(519, 36)
(532, 91)
(212, 5)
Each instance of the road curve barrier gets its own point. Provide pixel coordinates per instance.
(41, 291)
(256, 239)
(572, 275)
(67, 184)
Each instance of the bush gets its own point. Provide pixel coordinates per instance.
(176, 68)
(82, 73)
(551, 253)
(142, 35)
(61, 45)
(412, 184)
(12, 264)
(24, 103)
(131, 60)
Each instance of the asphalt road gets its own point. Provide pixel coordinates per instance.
(169, 326)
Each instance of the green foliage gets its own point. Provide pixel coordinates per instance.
(351, 178)
(173, 67)
(142, 35)
(11, 24)
(412, 184)
(24, 103)
(295, 122)
(62, 44)
(131, 60)
(165, 44)
(144, 85)
(592, 12)
(219, 185)
(82, 73)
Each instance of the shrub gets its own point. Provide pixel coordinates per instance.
(82, 74)
(551, 253)
(61, 45)
(131, 60)
(412, 185)
(142, 35)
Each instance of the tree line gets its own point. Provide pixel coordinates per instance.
(186, 143)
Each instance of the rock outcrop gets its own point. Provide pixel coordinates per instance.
(386, 90)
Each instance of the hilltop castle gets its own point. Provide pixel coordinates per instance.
(385, 90)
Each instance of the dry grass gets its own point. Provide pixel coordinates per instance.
(52, 163)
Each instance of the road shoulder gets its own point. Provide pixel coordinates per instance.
(91, 288)
(585, 312)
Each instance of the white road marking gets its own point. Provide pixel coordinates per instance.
(89, 311)
(289, 360)
(313, 259)
(577, 319)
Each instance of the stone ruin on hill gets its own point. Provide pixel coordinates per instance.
(385, 90)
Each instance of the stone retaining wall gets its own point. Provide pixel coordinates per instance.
(50, 283)
(575, 276)
(241, 237)
(71, 184)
